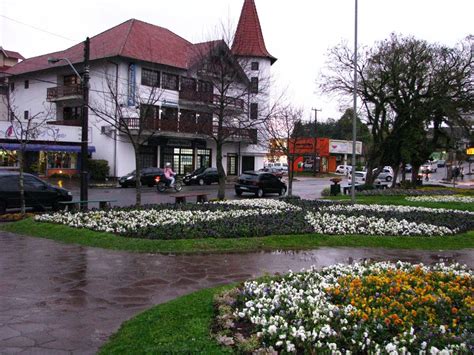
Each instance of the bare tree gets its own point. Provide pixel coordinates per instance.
(280, 131)
(235, 107)
(132, 112)
(25, 130)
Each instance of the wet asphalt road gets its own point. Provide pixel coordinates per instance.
(60, 299)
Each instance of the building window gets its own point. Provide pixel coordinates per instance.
(12, 86)
(71, 80)
(232, 165)
(72, 113)
(170, 81)
(255, 65)
(27, 84)
(149, 111)
(150, 77)
(254, 85)
(188, 84)
(254, 111)
(26, 115)
(205, 86)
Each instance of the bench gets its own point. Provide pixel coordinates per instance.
(75, 205)
(181, 198)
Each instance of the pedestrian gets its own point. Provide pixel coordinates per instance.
(456, 172)
(461, 172)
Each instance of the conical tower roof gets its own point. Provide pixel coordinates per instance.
(248, 41)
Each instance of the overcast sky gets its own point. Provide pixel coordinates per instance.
(299, 32)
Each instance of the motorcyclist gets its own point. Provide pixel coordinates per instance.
(169, 174)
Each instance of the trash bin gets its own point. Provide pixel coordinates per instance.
(335, 189)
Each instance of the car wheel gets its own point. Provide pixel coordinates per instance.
(259, 193)
(388, 178)
(208, 182)
(178, 186)
(57, 207)
(238, 192)
(3, 207)
(201, 182)
(282, 191)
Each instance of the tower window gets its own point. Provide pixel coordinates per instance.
(255, 65)
(254, 111)
(254, 85)
(27, 84)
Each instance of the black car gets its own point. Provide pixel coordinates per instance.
(202, 176)
(259, 183)
(38, 193)
(147, 177)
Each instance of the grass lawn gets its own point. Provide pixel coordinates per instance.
(181, 326)
(400, 200)
(87, 237)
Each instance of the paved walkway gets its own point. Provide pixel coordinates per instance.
(58, 298)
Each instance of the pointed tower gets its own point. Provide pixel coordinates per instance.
(248, 41)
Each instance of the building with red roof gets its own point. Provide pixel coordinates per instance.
(128, 63)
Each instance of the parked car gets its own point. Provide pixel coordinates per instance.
(359, 177)
(202, 176)
(259, 183)
(429, 167)
(147, 177)
(277, 172)
(343, 169)
(38, 193)
(385, 175)
(283, 167)
(441, 163)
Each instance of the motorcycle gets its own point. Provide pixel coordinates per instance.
(163, 184)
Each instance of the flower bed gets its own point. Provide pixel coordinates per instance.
(362, 308)
(261, 217)
(441, 198)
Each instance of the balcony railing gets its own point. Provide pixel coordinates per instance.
(76, 123)
(210, 98)
(64, 92)
(200, 125)
(192, 95)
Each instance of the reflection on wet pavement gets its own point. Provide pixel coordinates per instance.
(58, 298)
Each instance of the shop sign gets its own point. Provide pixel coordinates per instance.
(470, 151)
(343, 147)
(44, 132)
(182, 143)
(131, 84)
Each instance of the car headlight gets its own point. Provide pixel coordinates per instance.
(194, 177)
(130, 178)
(69, 193)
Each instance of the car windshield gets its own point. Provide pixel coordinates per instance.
(199, 171)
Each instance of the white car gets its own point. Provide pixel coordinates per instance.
(429, 167)
(343, 169)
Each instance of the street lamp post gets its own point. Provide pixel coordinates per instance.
(314, 137)
(85, 119)
(354, 118)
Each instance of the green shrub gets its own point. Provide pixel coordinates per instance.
(98, 169)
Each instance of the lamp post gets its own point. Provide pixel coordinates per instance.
(314, 136)
(354, 118)
(84, 80)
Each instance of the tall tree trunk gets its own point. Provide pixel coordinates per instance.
(220, 171)
(395, 175)
(414, 173)
(21, 182)
(138, 183)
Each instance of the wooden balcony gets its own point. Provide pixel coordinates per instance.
(201, 125)
(75, 123)
(196, 96)
(58, 93)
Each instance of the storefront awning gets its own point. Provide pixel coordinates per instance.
(46, 147)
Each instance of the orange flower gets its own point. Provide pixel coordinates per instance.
(387, 321)
(454, 310)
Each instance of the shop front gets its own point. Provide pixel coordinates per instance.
(185, 155)
(43, 159)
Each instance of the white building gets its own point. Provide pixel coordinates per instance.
(128, 60)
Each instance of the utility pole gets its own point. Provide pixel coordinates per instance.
(354, 118)
(85, 127)
(314, 137)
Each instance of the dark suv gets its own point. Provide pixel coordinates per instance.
(147, 177)
(259, 183)
(38, 193)
(202, 176)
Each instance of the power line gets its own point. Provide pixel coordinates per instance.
(39, 29)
